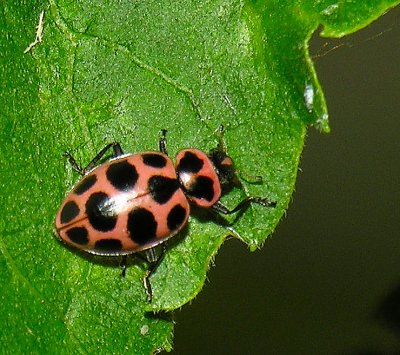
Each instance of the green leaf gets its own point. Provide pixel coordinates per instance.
(122, 71)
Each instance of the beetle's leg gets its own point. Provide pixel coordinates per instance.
(123, 265)
(153, 261)
(73, 163)
(117, 152)
(162, 143)
(219, 207)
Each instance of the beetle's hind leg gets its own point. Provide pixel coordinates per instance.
(153, 261)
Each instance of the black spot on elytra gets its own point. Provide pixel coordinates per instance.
(85, 184)
(100, 212)
(78, 235)
(108, 245)
(190, 163)
(202, 187)
(142, 226)
(69, 212)
(176, 217)
(122, 175)
(154, 160)
(162, 188)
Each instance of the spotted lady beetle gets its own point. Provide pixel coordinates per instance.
(134, 202)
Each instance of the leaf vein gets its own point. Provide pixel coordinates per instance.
(187, 91)
(73, 35)
(15, 272)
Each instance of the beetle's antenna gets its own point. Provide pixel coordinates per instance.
(221, 142)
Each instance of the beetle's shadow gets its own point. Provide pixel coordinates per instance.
(388, 310)
(387, 313)
(110, 261)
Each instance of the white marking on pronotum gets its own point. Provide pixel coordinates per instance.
(309, 97)
(39, 32)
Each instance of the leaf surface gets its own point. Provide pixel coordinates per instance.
(122, 71)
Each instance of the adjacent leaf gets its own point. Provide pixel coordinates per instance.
(103, 71)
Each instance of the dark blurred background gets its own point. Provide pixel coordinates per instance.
(328, 280)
